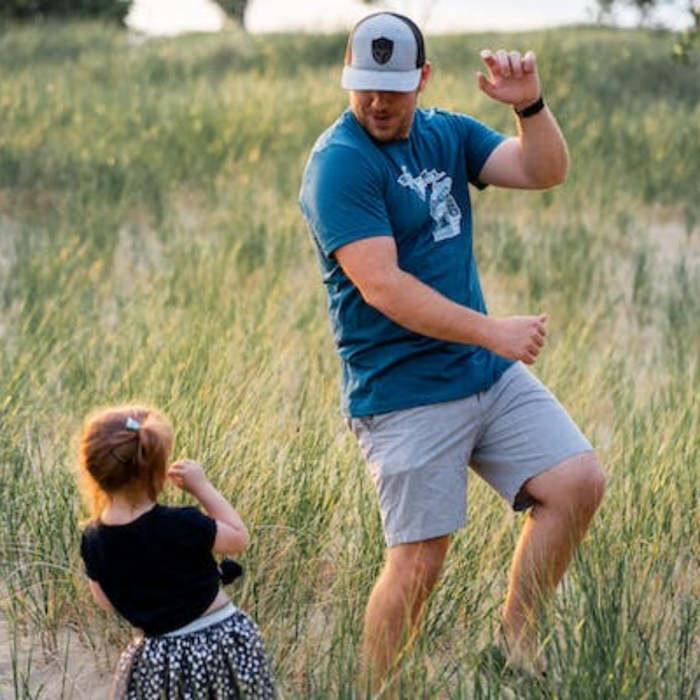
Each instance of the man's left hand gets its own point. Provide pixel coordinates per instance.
(512, 79)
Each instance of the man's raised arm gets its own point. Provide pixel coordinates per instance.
(537, 158)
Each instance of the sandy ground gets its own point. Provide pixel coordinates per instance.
(70, 672)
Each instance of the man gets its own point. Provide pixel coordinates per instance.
(431, 384)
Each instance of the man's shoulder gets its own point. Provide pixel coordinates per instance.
(435, 114)
(442, 119)
(456, 129)
(342, 151)
(344, 133)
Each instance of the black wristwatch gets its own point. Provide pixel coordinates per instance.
(536, 106)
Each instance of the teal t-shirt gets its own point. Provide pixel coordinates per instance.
(415, 190)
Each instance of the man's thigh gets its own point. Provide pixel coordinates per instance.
(418, 461)
(526, 431)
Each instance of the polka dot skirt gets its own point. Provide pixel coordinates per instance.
(224, 661)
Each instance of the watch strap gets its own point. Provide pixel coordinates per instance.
(536, 106)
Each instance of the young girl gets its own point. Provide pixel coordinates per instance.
(153, 564)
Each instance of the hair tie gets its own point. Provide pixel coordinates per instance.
(132, 424)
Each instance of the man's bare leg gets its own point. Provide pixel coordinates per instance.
(567, 496)
(396, 604)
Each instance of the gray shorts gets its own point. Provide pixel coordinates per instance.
(418, 457)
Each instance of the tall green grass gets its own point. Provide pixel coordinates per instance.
(151, 249)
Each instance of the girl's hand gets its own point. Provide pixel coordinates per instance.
(187, 475)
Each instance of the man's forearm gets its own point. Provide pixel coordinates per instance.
(544, 153)
(409, 302)
(420, 308)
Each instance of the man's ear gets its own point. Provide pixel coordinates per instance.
(425, 73)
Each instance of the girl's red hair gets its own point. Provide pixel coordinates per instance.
(115, 457)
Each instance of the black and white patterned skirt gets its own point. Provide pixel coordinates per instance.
(221, 661)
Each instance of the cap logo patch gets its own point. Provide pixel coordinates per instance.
(382, 49)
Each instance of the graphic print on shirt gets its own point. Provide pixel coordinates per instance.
(444, 209)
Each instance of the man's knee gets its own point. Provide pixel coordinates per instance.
(416, 566)
(578, 482)
(595, 480)
(588, 482)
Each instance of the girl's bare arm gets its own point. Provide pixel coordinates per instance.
(231, 533)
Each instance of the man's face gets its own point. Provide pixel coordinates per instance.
(385, 115)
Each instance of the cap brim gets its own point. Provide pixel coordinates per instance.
(392, 81)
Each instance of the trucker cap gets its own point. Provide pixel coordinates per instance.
(385, 51)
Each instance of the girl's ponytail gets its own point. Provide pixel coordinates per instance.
(153, 448)
(123, 448)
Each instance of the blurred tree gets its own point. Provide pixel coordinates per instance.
(235, 9)
(645, 7)
(108, 9)
(686, 40)
(604, 9)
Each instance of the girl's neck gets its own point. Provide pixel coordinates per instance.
(124, 508)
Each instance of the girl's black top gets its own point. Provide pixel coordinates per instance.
(158, 571)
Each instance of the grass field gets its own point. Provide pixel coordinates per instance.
(151, 248)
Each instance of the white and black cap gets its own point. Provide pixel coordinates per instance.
(385, 51)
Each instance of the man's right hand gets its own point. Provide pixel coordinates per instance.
(517, 337)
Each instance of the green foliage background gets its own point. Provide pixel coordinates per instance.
(151, 248)
(40, 9)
